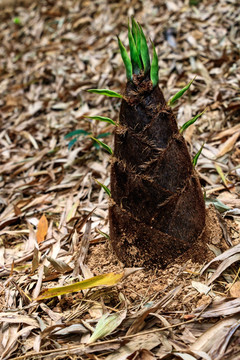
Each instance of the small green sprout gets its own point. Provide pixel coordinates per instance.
(180, 93)
(154, 68)
(195, 159)
(17, 21)
(77, 133)
(136, 36)
(126, 59)
(144, 51)
(105, 188)
(102, 118)
(190, 122)
(139, 54)
(135, 58)
(103, 145)
(106, 92)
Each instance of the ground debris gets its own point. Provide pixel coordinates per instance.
(54, 214)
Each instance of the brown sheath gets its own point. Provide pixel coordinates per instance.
(157, 210)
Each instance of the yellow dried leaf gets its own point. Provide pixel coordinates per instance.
(100, 280)
(221, 174)
(42, 229)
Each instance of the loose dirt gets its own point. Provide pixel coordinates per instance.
(147, 285)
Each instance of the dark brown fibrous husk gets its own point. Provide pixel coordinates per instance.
(157, 210)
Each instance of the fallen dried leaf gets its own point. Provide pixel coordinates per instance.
(235, 290)
(107, 324)
(42, 229)
(228, 145)
(100, 280)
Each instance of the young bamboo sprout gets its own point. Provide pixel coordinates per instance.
(157, 209)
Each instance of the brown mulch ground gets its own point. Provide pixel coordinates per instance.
(51, 53)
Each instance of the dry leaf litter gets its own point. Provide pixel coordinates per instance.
(53, 213)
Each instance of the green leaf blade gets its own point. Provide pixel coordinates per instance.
(180, 93)
(105, 92)
(17, 21)
(72, 142)
(154, 68)
(126, 60)
(103, 145)
(144, 52)
(195, 159)
(76, 132)
(136, 36)
(103, 135)
(190, 122)
(135, 59)
(103, 234)
(105, 188)
(102, 118)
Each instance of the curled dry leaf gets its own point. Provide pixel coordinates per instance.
(214, 338)
(223, 307)
(229, 257)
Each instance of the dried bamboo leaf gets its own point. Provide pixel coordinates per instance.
(218, 308)
(235, 290)
(228, 257)
(228, 145)
(107, 324)
(144, 354)
(100, 280)
(59, 265)
(227, 132)
(145, 341)
(184, 356)
(36, 258)
(223, 266)
(215, 336)
(139, 322)
(60, 330)
(14, 318)
(37, 288)
(200, 287)
(10, 346)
